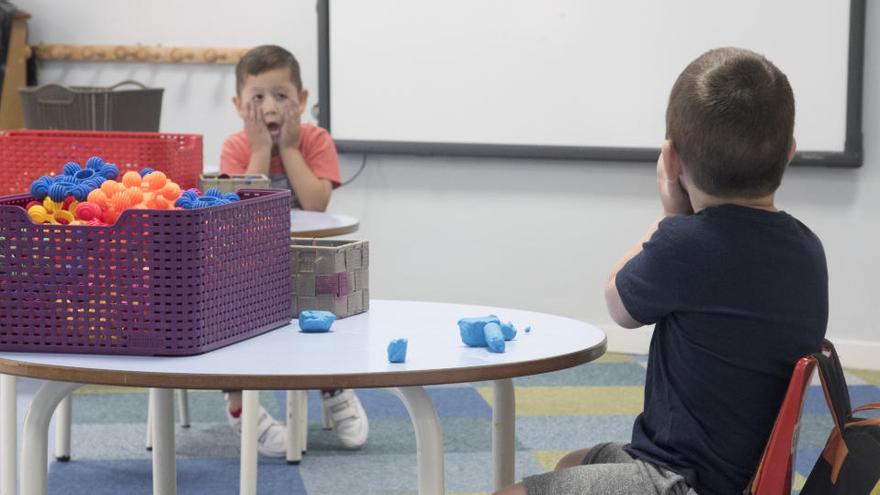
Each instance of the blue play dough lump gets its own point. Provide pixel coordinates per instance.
(508, 330)
(474, 332)
(471, 330)
(397, 351)
(494, 337)
(316, 321)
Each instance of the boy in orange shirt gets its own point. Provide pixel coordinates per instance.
(270, 100)
(300, 157)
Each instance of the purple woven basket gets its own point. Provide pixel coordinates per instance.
(176, 282)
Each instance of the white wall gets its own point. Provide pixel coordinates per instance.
(530, 234)
(542, 235)
(197, 98)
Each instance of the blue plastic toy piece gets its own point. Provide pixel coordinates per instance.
(494, 337)
(527, 329)
(397, 351)
(191, 200)
(313, 321)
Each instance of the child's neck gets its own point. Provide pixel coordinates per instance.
(701, 201)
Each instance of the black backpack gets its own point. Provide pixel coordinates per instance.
(850, 461)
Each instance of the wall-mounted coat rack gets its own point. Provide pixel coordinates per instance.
(138, 53)
(19, 51)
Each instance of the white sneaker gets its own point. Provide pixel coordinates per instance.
(270, 433)
(348, 417)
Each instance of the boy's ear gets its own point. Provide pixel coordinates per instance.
(671, 160)
(793, 149)
(303, 98)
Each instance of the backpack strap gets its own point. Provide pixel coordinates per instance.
(837, 397)
(829, 350)
(834, 386)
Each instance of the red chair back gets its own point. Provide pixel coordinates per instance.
(775, 470)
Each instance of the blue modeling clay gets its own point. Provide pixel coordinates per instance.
(494, 337)
(471, 330)
(527, 329)
(508, 330)
(316, 321)
(397, 351)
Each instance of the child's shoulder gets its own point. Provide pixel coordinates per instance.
(312, 136)
(311, 131)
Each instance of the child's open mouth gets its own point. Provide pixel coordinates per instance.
(274, 128)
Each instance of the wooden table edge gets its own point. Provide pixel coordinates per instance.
(301, 382)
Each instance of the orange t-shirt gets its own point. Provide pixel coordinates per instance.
(315, 144)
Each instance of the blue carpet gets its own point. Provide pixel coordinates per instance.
(109, 457)
(215, 476)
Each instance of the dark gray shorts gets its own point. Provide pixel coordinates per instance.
(609, 470)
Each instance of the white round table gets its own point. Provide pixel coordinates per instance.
(352, 355)
(320, 224)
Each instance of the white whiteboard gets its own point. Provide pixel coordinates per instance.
(583, 73)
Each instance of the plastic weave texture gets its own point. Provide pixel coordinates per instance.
(27, 154)
(52, 106)
(330, 275)
(175, 282)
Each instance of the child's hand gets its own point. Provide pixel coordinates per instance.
(673, 195)
(255, 129)
(290, 128)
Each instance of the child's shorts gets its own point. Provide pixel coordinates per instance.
(609, 470)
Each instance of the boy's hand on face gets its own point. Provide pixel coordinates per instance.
(255, 129)
(673, 195)
(290, 128)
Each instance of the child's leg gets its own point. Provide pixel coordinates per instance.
(606, 469)
(271, 438)
(516, 489)
(347, 416)
(572, 459)
(233, 400)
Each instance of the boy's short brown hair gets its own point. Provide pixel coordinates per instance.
(731, 120)
(265, 58)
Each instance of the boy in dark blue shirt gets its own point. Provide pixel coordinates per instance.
(737, 288)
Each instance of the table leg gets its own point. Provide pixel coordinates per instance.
(295, 440)
(503, 432)
(35, 437)
(250, 411)
(8, 435)
(303, 421)
(164, 460)
(326, 422)
(429, 438)
(183, 407)
(148, 440)
(62, 430)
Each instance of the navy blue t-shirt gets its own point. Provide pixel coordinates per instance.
(738, 295)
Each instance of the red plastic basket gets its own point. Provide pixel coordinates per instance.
(174, 282)
(27, 154)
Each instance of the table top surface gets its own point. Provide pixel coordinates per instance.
(320, 224)
(352, 355)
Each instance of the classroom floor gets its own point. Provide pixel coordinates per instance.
(557, 412)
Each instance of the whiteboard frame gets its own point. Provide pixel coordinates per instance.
(850, 157)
